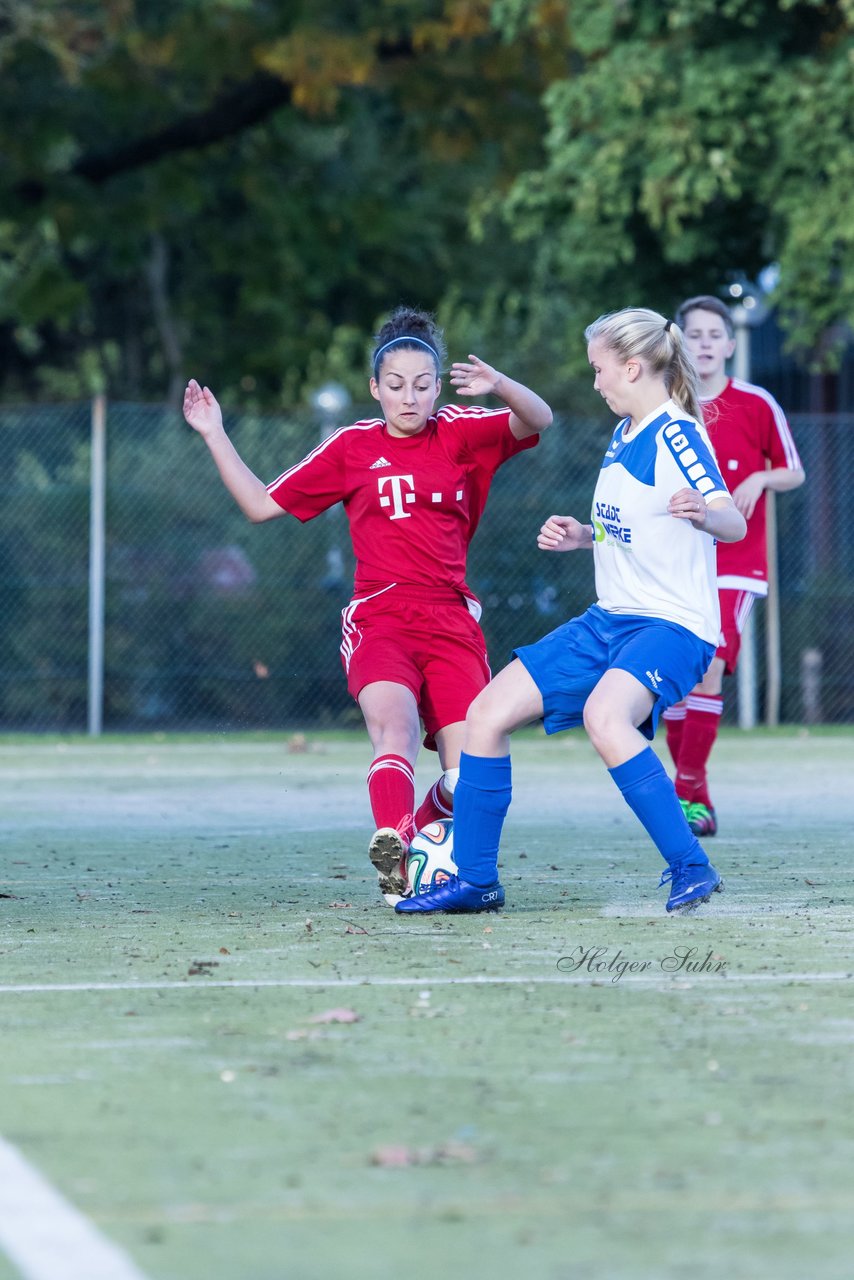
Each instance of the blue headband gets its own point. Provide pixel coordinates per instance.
(404, 337)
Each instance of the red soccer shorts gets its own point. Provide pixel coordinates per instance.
(735, 610)
(424, 639)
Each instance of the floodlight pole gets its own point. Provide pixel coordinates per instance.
(97, 563)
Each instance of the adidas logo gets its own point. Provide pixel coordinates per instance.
(380, 462)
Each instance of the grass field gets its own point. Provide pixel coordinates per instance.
(223, 1051)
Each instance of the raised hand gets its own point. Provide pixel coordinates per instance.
(475, 378)
(201, 409)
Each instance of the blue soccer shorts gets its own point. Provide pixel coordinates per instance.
(568, 663)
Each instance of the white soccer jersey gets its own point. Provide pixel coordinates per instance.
(648, 562)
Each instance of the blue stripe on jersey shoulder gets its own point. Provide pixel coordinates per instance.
(685, 443)
(693, 455)
(639, 454)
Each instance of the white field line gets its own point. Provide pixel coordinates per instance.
(474, 980)
(46, 1237)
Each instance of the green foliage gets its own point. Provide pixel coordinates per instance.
(232, 186)
(691, 141)
(242, 190)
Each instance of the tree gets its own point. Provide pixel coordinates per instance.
(238, 188)
(690, 140)
(241, 190)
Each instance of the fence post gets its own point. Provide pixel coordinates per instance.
(745, 675)
(745, 671)
(773, 661)
(97, 563)
(811, 660)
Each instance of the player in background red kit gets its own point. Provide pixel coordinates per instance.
(414, 484)
(755, 453)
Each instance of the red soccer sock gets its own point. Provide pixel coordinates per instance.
(435, 806)
(699, 733)
(674, 723)
(391, 787)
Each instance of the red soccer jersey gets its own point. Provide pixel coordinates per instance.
(413, 502)
(747, 428)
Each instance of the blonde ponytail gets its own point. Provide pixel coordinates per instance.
(637, 332)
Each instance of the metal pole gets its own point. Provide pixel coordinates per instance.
(741, 355)
(773, 659)
(745, 672)
(811, 660)
(97, 562)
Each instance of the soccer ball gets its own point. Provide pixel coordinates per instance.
(431, 857)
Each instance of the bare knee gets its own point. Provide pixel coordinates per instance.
(395, 733)
(606, 725)
(486, 724)
(713, 681)
(596, 723)
(395, 738)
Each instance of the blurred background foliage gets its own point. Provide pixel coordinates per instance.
(211, 622)
(241, 190)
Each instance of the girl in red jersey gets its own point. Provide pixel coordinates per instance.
(414, 484)
(757, 455)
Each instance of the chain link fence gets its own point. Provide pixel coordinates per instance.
(212, 623)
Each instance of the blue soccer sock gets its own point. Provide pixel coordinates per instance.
(650, 794)
(481, 800)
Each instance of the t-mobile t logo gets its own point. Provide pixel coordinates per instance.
(398, 495)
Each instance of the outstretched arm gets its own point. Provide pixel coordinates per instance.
(529, 413)
(205, 416)
(564, 533)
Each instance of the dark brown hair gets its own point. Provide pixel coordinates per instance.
(410, 328)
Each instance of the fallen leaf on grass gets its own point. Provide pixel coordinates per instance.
(393, 1157)
(202, 966)
(336, 1015)
(355, 928)
(336, 905)
(398, 1156)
